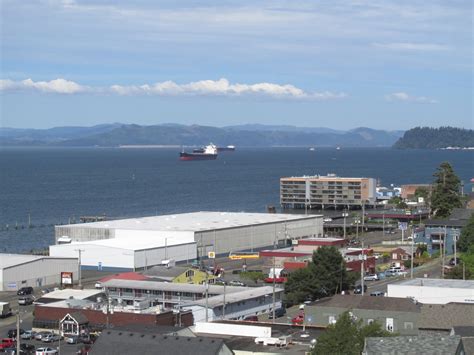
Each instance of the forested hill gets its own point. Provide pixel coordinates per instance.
(433, 138)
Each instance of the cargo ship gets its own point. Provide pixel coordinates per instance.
(209, 152)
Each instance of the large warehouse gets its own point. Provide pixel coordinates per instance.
(18, 270)
(221, 232)
(124, 254)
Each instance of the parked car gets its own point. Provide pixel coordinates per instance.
(50, 338)
(25, 300)
(98, 285)
(27, 335)
(358, 289)
(251, 318)
(377, 293)
(40, 335)
(46, 290)
(12, 333)
(236, 283)
(25, 291)
(46, 351)
(401, 273)
(27, 348)
(372, 277)
(7, 343)
(453, 262)
(279, 312)
(83, 349)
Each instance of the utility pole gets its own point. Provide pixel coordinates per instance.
(274, 277)
(443, 250)
(455, 237)
(344, 214)
(207, 296)
(18, 331)
(383, 223)
(223, 306)
(79, 263)
(362, 258)
(412, 246)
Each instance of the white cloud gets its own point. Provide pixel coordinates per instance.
(221, 87)
(406, 46)
(404, 97)
(57, 86)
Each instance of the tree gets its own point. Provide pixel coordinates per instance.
(445, 194)
(325, 275)
(467, 236)
(347, 336)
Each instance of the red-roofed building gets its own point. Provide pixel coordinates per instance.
(135, 276)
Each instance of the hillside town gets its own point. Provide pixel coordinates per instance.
(346, 267)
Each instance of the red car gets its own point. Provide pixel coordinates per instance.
(299, 319)
(7, 343)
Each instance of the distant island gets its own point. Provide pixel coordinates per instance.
(251, 135)
(436, 138)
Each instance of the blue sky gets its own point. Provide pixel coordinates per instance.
(333, 63)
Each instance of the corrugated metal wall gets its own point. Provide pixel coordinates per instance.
(83, 234)
(257, 236)
(37, 273)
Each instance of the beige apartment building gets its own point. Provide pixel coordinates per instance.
(329, 191)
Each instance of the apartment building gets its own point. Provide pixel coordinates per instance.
(331, 191)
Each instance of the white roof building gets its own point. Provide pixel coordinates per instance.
(434, 291)
(220, 232)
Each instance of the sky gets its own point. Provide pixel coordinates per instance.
(340, 64)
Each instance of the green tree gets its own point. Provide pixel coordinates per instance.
(445, 195)
(467, 236)
(347, 336)
(325, 275)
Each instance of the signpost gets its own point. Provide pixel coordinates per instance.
(66, 279)
(403, 226)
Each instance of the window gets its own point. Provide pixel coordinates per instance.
(408, 325)
(190, 273)
(370, 321)
(332, 320)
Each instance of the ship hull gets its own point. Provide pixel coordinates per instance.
(196, 156)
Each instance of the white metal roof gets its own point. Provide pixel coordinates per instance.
(9, 260)
(244, 294)
(196, 221)
(171, 286)
(444, 283)
(72, 293)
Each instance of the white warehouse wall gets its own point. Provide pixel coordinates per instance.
(93, 254)
(148, 257)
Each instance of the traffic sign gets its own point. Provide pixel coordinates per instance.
(211, 255)
(403, 226)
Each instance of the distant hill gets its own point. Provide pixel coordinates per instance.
(434, 138)
(195, 135)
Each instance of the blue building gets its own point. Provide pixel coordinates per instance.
(442, 232)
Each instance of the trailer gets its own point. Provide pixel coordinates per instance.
(5, 310)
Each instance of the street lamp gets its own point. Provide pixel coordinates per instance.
(345, 214)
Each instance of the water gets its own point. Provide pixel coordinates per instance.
(56, 185)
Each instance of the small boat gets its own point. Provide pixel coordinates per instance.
(338, 148)
(312, 149)
(209, 152)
